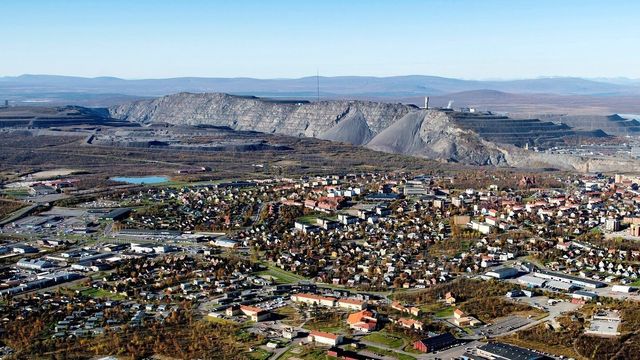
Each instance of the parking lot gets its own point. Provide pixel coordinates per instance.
(503, 325)
(556, 309)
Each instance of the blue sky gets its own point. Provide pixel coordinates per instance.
(473, 39)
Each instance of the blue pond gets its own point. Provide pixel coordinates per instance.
(141, 179)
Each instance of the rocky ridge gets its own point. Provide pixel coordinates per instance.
(254, 114)
(387, 127)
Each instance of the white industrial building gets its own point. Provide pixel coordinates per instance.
(570, 279)
(622, 288)
(531, 281)
(502, 273)
(38, 265)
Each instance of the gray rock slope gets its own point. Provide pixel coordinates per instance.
(394, 128)
(250, 113)
(352, 128)
(432, 134)
(610, 124)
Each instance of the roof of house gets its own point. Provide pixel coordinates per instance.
(409, 322)
(359, 316)
(251, 308)
(351, 301)
(326, 335)
(365, 325)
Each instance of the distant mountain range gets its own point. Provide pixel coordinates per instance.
(552, 94)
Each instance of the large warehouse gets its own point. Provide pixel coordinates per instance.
(500, 351)
(578, 281)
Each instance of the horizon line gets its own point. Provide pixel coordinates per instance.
(539, 77)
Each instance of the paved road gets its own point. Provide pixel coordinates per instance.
(504, 325)
(278, 352)
(18, 214)
(382, 346)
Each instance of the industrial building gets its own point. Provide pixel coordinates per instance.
(435, 342)
(584, 295)
(502, 273)
(38, 265)
(43, 282)
(148, 234)
(578, 281)
(500, 351)
(531, 281)
(116, 214)
(622, 288)
(23, 249)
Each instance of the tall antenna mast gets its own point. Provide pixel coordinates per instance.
(318, 84)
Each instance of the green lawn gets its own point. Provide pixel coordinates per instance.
(431, 307)
(16, 192)
(445, 312)
(16, 214)
(335, 325)
(327, 327)
(216, 320)
(259, 354)
(410, 349)
(101, 293)
(305, 353)
(384, 339)
(292, 317)
(308, 219)
(281, 276)
(383, 352)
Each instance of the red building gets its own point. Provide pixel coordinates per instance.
(435, 343)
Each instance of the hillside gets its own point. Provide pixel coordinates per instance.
(432, 134)
(352, 128)
(611, 124)
(254, 114)
(43, 116)
(469, 138)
